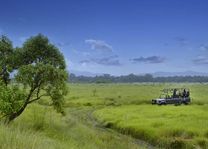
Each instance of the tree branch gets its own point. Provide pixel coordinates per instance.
(35, 99)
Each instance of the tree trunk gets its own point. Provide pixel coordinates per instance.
(12, 116)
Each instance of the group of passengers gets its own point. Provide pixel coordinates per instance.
(178, 94)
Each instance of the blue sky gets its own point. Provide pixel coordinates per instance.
(115, 36)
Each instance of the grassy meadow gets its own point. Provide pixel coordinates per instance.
(109, 116)
(166, 126)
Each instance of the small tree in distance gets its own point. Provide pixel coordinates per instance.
(41, 70)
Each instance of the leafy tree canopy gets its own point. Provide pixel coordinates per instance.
(38, 49)
(41, 70)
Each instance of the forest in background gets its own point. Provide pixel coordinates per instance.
(132, 78)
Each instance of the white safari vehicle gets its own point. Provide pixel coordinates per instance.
(175, 96)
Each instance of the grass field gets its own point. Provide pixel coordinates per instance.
(119, 94)
(165, 126)
(112, 116)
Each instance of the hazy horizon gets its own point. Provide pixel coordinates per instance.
(154, 74)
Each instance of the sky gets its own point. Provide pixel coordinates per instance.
(117, 37)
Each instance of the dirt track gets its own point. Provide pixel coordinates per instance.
(85, 116)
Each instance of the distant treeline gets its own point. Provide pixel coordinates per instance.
(131, 78)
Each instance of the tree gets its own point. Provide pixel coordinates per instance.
(6, 51)
(38, 49)
(42, 71)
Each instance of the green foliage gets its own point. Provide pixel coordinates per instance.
(6, 52)
(47, 78)
(40, 68)
(38, 49)
(11, 99)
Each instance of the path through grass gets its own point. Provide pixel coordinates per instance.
(40, 127)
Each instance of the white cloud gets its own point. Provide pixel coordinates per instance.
(201, 60)
(150, 59)
(99, 45)
(203, 47)
(106, 61)
(203, 57)
(181, 41)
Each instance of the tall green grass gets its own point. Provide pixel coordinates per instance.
(33, 130)
(165, 126)
(40, 127)
(15, 137)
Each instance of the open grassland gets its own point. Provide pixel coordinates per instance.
(120, 94)
(127, 109)
(40, 128)
(165, 126)
(111, 116)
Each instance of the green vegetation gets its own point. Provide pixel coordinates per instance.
(6, 63)
(109, 116)
(40, 69)
(40, 127)
(129, 112)
(132, 78)
(122, 94)
(161, 126)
